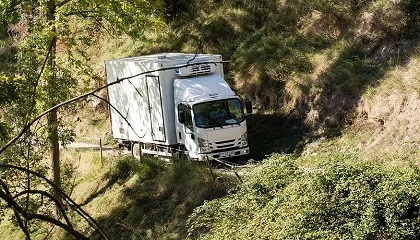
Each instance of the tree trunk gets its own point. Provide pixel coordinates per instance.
(52, 116)
(55, 151)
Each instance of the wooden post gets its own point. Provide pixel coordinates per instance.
(100, 148)
(211, 170)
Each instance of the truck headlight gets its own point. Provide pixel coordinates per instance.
(244, 139)
(203, 145)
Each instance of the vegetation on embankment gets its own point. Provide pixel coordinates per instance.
(336, 84)
(326, 196)
(146, 199)
(129, 198)
(156, 197)
(321, 63)
(313, 60)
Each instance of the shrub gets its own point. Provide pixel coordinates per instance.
(340, 197)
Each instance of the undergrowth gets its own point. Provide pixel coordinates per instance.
(332, 196)
(315, 65)
(157, 197)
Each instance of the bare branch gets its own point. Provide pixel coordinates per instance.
(119, 113)
(16, 207)
(70, 201)
(46, 194)
(26, 128)
(16, 213)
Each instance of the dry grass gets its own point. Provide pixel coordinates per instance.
(324, 59)
(392, 109)
(386, 128)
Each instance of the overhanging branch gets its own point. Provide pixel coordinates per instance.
(26, 128)
(119, 113)
(22, 226)
(16, 207)
(48, 195)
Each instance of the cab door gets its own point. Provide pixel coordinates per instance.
(186, 128)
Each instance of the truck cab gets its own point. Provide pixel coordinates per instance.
(210, 120)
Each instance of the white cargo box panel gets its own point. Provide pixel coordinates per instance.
(146, 102)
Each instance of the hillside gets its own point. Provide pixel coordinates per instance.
(335, 139)
(316, 72)
(336, 86)
(344, 86)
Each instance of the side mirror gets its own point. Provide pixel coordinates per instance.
(181, 117)
(248, 106)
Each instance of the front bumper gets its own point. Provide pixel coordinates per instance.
(222, 154)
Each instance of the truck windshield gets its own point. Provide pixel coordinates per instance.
(218, 113)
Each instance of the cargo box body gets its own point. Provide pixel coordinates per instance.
(142, 107)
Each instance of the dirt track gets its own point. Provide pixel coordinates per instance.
(87, 146)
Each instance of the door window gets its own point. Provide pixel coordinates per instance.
(184, 112)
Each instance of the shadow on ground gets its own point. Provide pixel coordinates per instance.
(274, 133)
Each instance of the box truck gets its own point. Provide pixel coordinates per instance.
(176, 104)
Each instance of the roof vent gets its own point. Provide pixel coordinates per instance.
(198, 69)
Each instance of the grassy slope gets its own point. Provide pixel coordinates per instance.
(131, 199)
(145, 199)
(342, 71)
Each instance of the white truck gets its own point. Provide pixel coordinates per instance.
(182, 106)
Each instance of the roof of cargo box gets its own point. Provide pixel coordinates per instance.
(171, 58)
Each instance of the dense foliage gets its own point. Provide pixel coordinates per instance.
(335, 197)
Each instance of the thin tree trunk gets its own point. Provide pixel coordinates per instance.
(55, 153)
(52, 116)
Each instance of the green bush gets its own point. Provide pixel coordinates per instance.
(339, 198)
